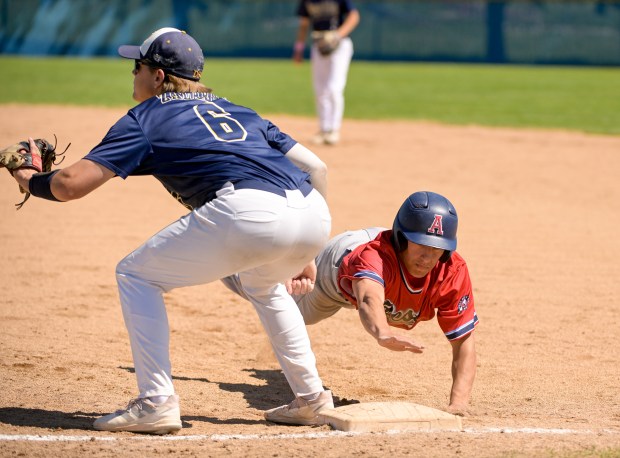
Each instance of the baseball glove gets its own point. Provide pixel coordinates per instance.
(19, 156)
(326, 42)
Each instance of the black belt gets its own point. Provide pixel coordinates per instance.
(305, 187)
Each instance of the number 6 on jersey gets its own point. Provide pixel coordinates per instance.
(220, 124)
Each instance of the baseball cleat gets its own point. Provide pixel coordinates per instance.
(332, 138)
(143, 416)
(300, 411)
(319, 139)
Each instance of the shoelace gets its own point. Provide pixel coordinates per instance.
(298, 403)
(134, 402)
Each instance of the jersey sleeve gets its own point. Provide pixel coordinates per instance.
(123, 148)
(347, 6)
(456, 314)
(277, 139)
(367, 263)
(302, 10)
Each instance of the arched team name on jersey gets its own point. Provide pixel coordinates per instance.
(323, 10)
(406, 318)
(175, 96)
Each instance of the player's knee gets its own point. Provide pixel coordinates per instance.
(125, 267)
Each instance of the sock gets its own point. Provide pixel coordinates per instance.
(158, 399)
(311, 397)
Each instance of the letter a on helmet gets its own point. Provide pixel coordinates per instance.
(436, 227)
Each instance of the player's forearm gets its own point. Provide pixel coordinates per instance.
(349, 24)
(370, 296)
(372, 316)
(462, 386)
(463, 372)
(302, 32)
(310, 163)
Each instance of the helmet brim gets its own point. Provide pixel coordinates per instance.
(430, 240)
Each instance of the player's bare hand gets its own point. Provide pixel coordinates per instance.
(302, 283)
(299, 286)
(298, 52)
(400, 343)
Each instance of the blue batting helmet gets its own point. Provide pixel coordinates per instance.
(429, 219)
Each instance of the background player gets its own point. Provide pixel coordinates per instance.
(329, 72)
(398, 278)
(251, 211)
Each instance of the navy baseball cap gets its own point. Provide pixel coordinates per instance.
(172, 50)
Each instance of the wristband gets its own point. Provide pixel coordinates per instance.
(299, 46)
(40, 185)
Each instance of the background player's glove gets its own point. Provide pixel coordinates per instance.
(19, 156)
(326, 42)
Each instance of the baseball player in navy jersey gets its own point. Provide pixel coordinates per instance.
(331, 22)
(256, 206)
(396, 279)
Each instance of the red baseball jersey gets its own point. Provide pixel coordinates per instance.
(446, 290)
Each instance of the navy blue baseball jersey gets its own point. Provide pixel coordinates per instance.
(325, 14)
(194, 143)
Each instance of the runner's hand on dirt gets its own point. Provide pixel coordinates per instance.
(400, 343)
(462, 410)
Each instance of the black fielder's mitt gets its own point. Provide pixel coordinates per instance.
(19, 156)
(326, 42)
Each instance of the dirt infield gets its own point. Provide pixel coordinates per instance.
(539, 219)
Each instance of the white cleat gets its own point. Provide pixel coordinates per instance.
(143, 416)
(332, 138)
(319, 139)
(300, 411)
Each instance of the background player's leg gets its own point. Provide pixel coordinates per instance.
(340, 61)
(321, 68)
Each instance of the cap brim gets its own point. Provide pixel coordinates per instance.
(129, 52)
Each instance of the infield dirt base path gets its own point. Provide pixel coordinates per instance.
(539, 216)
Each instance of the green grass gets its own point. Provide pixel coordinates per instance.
(576, 98)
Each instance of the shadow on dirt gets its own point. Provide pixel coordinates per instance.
(51, 419)
(273, 392)
(56, 420)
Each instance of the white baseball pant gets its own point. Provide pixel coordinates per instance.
(264, 237)
(325, 299)
(329, 78)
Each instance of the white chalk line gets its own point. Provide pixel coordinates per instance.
(317, 435)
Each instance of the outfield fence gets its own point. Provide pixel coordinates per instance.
(518, 31)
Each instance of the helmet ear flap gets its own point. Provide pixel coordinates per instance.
(400, 241)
